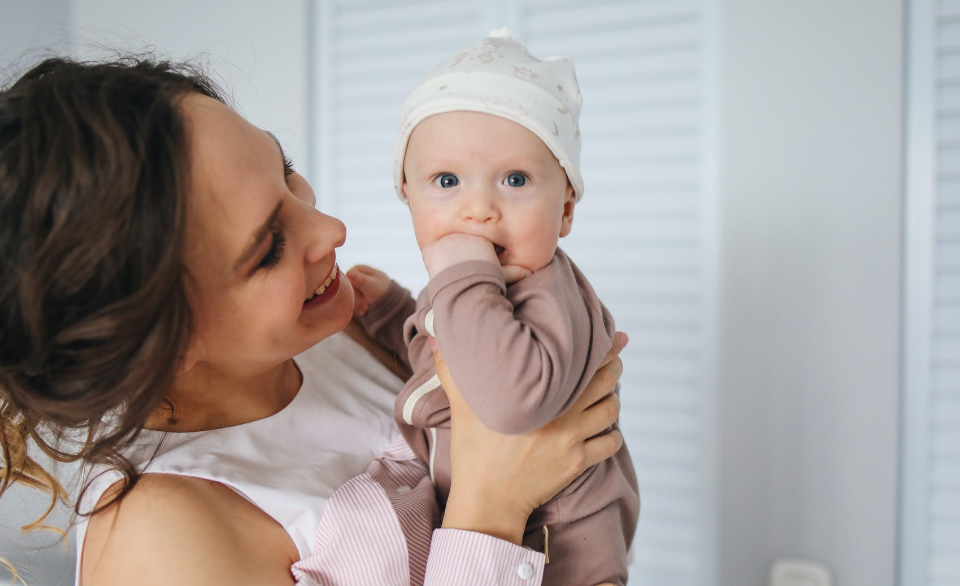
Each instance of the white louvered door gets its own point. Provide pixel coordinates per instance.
(930, 524)
(645, 233)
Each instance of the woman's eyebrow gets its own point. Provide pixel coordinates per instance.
(257, 239)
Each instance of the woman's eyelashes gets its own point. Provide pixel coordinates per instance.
(288, 169)
(275, 253)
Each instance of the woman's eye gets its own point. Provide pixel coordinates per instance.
(446, 180)
(275, 253)
(287, 168)
(515, 180)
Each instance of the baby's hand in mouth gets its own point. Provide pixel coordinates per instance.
(454, 249)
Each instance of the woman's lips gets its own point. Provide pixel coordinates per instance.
(328, 291)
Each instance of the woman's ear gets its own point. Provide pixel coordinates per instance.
(566, 221)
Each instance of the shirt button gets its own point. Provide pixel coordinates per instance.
(428, 323)
(403, 489)
(525, 571)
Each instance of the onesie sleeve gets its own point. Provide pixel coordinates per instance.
(384, 319)
(519, 359)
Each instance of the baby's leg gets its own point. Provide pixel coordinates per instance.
(583, 552)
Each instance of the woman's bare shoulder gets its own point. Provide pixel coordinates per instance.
(188, 531)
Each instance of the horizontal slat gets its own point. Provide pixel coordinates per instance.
(947, 255)
(592, 72)
(948, 224)
(948, 98)
(945, 380)
(664, 476)
(945, 411)
(948, 8)
(412, 66)
(654, 449)
(649, 555)
(947, 286)
(682, 426)
(944, 475)
(635, 15)
(945, 535)
(945, 567)
(408, 15)
(453, 34)
(945, 443)
(661, 504)
(946, 347)
(683, 535)
(946, 317)
(948, 34)
(617, 42)
(945, 504)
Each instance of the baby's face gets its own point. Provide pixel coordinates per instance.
(480, 174)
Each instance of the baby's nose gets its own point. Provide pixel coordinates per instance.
(480, 208)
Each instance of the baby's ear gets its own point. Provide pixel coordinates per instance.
(566, 221)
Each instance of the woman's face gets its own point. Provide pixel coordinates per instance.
(257, 248)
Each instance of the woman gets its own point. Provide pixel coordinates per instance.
(170, 299)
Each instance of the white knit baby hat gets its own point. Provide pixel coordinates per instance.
(499, 76)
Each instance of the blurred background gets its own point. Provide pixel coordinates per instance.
(772, 212)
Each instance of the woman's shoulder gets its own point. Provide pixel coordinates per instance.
(184, 530)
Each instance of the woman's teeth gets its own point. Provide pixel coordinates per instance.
(323, 287)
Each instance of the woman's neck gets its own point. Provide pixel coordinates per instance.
(205, 398)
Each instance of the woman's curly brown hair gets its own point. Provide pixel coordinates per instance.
(94, 318)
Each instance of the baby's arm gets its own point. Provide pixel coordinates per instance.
(518, 367)
(380, 307)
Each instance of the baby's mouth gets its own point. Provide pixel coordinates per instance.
(498, 250)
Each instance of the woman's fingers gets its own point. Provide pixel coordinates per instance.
(600, 448)
(620, 341)
(600, 416)
(601, 385)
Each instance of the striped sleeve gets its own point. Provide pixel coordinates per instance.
(466, 558)
(376, 530)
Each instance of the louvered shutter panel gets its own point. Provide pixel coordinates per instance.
(644, 235)
(930, 540)
(645, 232)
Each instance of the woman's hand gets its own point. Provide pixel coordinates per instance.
(498, 480)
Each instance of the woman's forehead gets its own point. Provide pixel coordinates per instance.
(235, 176)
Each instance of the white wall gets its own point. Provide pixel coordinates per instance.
(259, 49)
(810, 296)
(29, 29)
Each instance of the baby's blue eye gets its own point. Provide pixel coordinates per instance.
(515, 180)
(446, 180)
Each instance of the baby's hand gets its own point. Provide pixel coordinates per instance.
(454, 249)
(369, 284)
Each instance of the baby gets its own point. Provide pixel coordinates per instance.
(488, 161)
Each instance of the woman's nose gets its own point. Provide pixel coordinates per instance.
(480, 206)
(323, 234)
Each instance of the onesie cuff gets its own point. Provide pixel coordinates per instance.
(477, 271)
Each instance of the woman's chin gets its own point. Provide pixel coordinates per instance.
(333, 314)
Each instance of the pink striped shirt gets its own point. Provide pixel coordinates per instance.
(376, 531)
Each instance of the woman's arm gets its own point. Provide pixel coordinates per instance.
(498, 480)
(186, 531)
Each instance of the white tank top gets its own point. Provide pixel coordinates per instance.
(287, 464)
